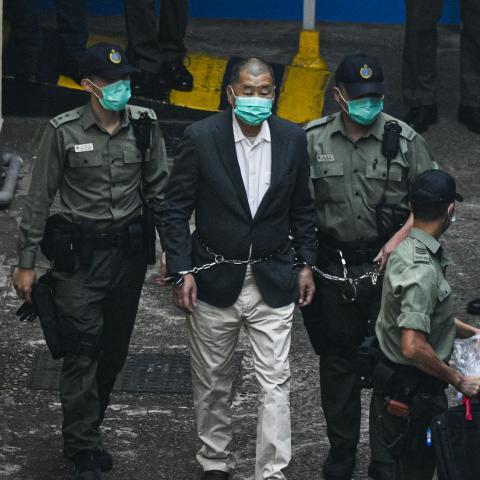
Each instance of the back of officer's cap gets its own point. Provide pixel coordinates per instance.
(434, 186)
(361, 74)
(105, 60)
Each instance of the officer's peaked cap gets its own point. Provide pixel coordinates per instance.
(105, 60)
(361, 74)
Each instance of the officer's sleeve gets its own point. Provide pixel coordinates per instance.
(420, 157)
(46, 178)
(416, 287)
(155, 173)
(179, 203)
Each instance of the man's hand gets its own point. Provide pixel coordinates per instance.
(382, 256)
(185, 297)
(306, 286)
(469, 386)
(163, 271)
(23, 281)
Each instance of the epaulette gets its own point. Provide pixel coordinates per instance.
(66, 117)
(318, 122)
(420, 253)
(135, 112)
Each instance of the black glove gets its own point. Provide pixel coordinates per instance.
(27, 311)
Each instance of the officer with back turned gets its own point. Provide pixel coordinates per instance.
(99, 157)
(361, 164)
(416, 330)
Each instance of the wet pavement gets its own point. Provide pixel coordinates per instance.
(152, 435)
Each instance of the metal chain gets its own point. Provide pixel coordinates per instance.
(219, 259)
(350, 282)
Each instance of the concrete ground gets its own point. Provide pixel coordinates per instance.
(152, 436)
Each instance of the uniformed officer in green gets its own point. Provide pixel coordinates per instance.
(416, 330)
(89, 155)
(361, 186)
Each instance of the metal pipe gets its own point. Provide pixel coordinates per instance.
(309, 7)
(15, 164)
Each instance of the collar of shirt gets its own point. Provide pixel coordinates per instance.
(88, 118)
(431, 243)
(263, 135)
(375, 130)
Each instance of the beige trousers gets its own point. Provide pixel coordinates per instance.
(213, 335)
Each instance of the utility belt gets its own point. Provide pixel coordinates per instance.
(403, 382)
(353, 253)
(68, 244)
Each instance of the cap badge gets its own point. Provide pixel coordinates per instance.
(115, 56)
(366, 72)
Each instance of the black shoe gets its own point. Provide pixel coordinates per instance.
(85, 467)
(470, 116)
(215, 475)
(176, 75)
(380, 470)
(339, 464)
(149, 85)
(103, 460)
(473, 307)
(420, 118)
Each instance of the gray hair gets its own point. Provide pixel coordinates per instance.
(253, 65)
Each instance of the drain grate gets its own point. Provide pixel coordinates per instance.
(143, 372)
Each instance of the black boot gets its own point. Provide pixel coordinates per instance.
(473, 307)
(85, 467)
(103, 460)
(176, 75)
(149, 85)
(470, 116)
(339, 464)
(421, 117)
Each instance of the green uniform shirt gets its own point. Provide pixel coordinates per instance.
(416, 296)
(348, 178)
(96, 174)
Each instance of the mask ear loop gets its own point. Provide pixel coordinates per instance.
(344, 101)
(96, 87)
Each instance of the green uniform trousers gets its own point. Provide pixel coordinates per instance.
(337, 328)
(420, 53)
(406, 440)
(149, 46)
(99, 301)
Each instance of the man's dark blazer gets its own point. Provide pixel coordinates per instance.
(206, 179)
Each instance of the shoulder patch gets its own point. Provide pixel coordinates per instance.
(66, 117)
(420, 253)
(318, 122)
(135, 112)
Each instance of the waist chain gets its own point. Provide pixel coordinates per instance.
(348, 282)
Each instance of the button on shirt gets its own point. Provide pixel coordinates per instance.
(255, 162)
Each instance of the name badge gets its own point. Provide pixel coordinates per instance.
(86, 147)
(328, 157)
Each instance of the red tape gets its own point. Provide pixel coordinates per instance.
(467, 401)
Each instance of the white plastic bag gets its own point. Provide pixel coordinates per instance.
(466, 355)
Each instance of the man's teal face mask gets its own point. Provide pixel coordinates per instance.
(115, 96)
(252, 110)
(364, 110)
